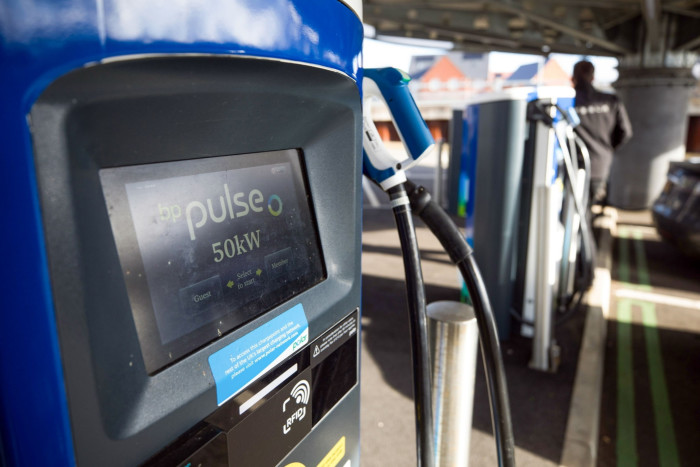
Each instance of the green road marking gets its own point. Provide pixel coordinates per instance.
(663, 420)
(626, 447)
(665, 436)
(642, 270)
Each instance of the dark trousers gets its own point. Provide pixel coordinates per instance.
(597, 195)
(598, 191)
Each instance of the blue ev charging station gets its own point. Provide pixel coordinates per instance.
(180, 287)
(517, 196)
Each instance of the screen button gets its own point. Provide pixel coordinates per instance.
(279, 264)
(200, 296)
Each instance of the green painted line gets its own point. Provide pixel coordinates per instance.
(663, 419)
(626, 443)
(640, 257)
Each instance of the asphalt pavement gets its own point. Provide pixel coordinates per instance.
(650, 401)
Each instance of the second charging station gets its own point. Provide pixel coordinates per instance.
(514, 193)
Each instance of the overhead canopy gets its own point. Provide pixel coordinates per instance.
(591, 27)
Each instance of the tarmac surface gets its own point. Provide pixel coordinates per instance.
(651, 391)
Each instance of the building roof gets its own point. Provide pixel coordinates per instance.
(471, 65)
(549, 73)
(443, 70)
(420, 64)
(525, 72)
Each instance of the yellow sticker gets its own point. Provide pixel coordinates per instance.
(335, 455)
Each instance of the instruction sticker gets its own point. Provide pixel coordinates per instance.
(335, 455)
(243, 361)
(334, 338)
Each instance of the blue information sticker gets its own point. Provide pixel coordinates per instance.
(243, 361)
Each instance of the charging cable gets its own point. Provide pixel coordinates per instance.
(420, 349)
(454, 243)
(390, 86)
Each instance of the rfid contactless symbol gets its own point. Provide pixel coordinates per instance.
(271, 201)
(300, 394)
(301, 391)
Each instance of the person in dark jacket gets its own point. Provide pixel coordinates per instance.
(604, 127)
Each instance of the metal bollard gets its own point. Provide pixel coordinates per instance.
(439, 170)
(453, 341)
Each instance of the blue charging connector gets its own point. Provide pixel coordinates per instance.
(390, 86)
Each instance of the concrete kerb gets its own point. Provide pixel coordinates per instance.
(582, 428)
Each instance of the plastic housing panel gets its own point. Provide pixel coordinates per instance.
(168, 109)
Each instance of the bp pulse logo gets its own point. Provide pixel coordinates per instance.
(299, 397)
(274, 205)
(227, 206)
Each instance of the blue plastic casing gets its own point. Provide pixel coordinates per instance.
(375, 174)
(43, 40)
(391, 85)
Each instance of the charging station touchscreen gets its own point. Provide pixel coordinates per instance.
(207, 245)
